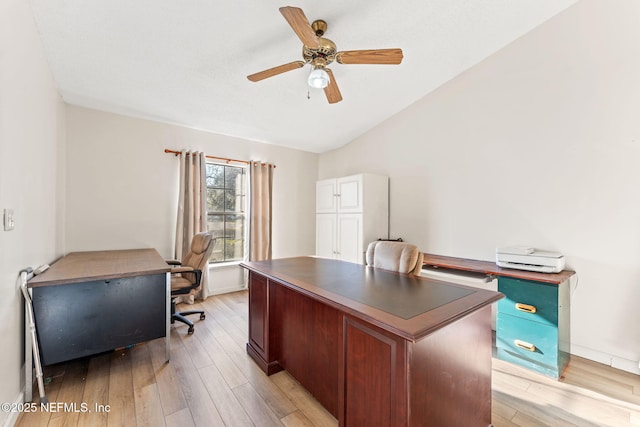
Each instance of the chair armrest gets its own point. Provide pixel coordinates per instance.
(181, 270)
(173, 261)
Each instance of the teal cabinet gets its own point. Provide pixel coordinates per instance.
(532, 324)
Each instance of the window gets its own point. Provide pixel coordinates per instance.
(226, 210)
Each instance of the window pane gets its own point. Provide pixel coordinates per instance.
(215, 225)
(230, 201)
(218, 251)
(233, 177)
(234, 242)
(215, 175)
(215, 200)
(233, 249)
(235, 226)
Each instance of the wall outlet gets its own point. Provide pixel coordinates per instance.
(9, 223)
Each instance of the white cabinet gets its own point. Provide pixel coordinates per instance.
(326, 196)
(351, 212)
(344, 195)
(350, 244)
(326, 235)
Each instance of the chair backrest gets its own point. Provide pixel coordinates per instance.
(200, 251)
(395, 256)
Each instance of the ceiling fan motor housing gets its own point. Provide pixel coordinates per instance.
(326, 49)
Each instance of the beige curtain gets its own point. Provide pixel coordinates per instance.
(261, 184)
(192, 215)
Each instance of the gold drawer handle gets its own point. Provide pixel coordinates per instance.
(526, 307)
(525, 345)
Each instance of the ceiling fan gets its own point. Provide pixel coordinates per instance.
(320, 52)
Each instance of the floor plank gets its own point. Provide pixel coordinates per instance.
(203, 410)
(230, 409)
(121, 400)
(211, 381)
(96, 392)
(297, 419)
(260, 413)
(145, 390)
(169, 388)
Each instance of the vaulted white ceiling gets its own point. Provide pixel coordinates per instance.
(186, 62)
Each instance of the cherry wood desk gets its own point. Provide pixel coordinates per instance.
(91, 302)
(489, 267)
(376, 348)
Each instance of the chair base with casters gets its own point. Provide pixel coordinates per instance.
(180, 316)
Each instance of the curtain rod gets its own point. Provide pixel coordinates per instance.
(177, 153)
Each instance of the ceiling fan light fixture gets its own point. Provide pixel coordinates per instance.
(318, 78)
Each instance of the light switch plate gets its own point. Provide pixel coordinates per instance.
(9, 223)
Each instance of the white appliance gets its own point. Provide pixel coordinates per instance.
(530, 259)
(467, 278)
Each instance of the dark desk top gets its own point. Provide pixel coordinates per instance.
(410, 306)
(101, 265)
(488, 267)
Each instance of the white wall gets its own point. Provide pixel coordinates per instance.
(122, 188)
(538, 145)
(31, 132)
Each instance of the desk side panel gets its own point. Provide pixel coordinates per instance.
(82, 319)
(304, 335)
(450, 374)
(373, 374)
(258, 320)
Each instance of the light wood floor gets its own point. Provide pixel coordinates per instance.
(210, 381)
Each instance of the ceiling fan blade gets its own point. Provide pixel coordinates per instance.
(275, 71)
(300, 24)
(377, 56)
(331, 91)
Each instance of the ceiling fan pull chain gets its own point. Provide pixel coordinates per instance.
(308, 95)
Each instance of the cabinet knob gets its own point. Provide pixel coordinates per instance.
(526, 308)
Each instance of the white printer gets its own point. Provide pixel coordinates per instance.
(527, 258)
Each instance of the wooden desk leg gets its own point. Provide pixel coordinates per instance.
(168, 318)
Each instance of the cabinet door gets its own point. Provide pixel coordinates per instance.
(371, 377)
(350, 190)
(326, 196)
(326, 235)
(349, 238)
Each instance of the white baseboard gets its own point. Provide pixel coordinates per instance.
(12, 417)
(606, 359)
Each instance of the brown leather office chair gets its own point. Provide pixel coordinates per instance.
(186, 275)
(395, 256)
